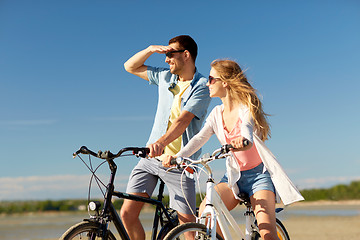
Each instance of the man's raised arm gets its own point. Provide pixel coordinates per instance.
(136, 64)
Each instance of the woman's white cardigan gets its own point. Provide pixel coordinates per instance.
(285, 189)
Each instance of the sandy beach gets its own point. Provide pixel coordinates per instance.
(321, 228)
(328, 226)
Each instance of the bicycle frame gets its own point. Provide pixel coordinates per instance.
(159, 208)
(220, 214)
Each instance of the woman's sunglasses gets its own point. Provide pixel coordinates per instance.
(213, 80)
(171, 53)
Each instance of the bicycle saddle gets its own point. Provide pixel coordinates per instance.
(244, 198)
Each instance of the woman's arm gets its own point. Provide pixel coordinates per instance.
(193, 145)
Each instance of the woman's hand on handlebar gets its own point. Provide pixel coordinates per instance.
(167, 160)
(241, 144)
(171, 162)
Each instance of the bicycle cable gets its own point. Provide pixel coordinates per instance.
(198, 173)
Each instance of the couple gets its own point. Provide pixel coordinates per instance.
(184, 96)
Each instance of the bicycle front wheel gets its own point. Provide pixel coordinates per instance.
(199, 231)
(280, 229)
(85, 230)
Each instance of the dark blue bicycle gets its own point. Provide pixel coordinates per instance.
(97, 226)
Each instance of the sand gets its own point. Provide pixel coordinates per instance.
(301, 227)
(321, 228)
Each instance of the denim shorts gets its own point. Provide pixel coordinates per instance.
(253, 180)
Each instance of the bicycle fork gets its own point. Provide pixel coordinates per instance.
(215, 212)
(208, 216)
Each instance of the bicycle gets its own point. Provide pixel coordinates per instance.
(216, 212)
(97, 226)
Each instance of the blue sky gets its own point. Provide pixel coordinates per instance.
(63, 84)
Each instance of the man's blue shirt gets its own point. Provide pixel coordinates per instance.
(196, 100)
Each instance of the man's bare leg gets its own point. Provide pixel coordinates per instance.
(129, 213)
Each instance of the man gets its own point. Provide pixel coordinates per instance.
(182, 106)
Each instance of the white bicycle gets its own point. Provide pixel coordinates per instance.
(216, 212)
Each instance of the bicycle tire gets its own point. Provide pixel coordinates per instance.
(165, 230)
(200, 230)
(280, 229)
(83, 229)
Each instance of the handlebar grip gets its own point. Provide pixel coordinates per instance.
(173, 161)
(226, 148)
(84, 150)
(142, 152)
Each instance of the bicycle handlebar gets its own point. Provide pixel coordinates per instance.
(228, 147)
(217, 154)
(137, 151)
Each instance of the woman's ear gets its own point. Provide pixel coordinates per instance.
(224, 84)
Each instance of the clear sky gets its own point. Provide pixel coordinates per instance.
(63, 84)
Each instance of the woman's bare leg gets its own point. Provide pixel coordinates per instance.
(263, 203)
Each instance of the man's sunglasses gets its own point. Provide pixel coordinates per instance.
(170, 54)
(213, 80)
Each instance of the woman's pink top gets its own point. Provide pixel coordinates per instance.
(247, 159)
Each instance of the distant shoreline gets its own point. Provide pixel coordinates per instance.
(355, 202)
(302, 204)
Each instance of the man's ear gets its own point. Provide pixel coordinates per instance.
(187, 54)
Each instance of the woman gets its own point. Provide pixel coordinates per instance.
(251, 169)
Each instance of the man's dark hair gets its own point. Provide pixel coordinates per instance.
(187, 43)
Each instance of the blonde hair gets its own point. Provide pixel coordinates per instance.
(241, 91)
